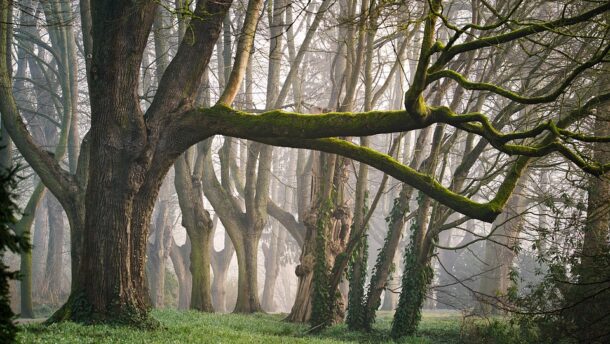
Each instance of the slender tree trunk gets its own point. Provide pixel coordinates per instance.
(158, 250)
(396, 222)
(179, 256)
(220, 265)
(54, 270)
(272, 267)
(301, 309)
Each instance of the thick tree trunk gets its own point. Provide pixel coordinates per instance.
(301, 309)
(201, 293)
(199, 228)
(247, 261)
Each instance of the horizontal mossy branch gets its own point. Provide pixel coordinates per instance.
(297, 130)
(387, 164)
(224, 120)
(498, 140)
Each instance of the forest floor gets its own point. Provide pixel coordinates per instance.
(195, 327)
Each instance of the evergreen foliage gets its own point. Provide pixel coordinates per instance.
(9, 241)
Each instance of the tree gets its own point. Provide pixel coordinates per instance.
(110, 197)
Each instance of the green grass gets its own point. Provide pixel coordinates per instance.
(194, 327)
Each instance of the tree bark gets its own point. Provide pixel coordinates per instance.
(221, 261)
(272, 267)
(54, 269)
(179, 256)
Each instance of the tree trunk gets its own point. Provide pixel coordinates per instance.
(220, 266)
(247, 261)
(158, 250)
(199, 227)
(23, 228)
(396, 222)
(390, 297)
(272, 267)
(179, 256)
(301, 309)
(54, 270)
(591, 294)
(201, 293)
(417, 275)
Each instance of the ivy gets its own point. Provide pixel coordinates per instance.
(416, 278)
(356, 303)
(399, 210)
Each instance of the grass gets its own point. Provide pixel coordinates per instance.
(194, 327)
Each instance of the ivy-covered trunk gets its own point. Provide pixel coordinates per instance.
(357, 277)
(417, 275)
(327, 225)
(396, 222)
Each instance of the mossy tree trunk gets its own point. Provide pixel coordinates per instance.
(199, 226)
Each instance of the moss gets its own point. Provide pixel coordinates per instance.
(224, 120)
(399, 209)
